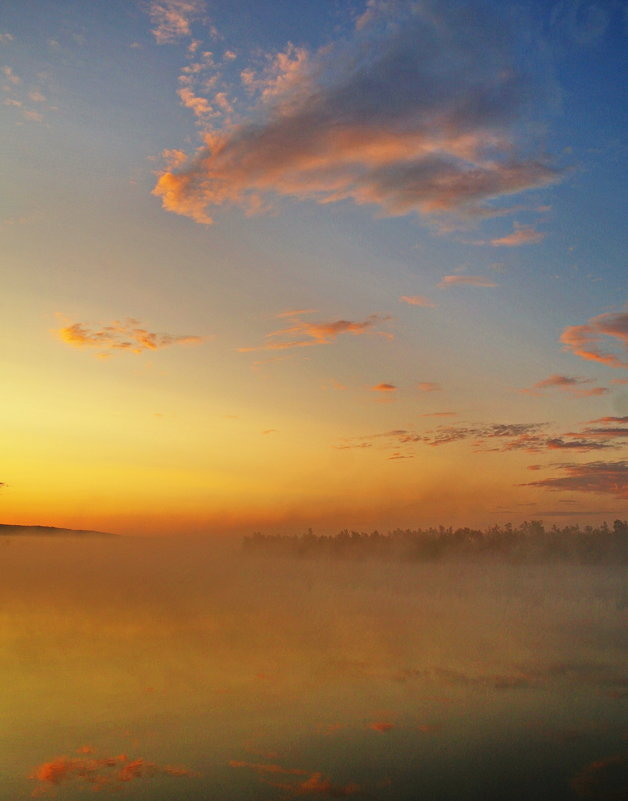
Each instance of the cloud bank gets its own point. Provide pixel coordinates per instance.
(500, 437)
(420, 109)
(610, 478)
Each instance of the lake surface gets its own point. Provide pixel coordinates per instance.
(170, 669)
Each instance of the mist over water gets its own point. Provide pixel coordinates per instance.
(160, 669)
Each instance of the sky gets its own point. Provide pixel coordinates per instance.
(270, 265)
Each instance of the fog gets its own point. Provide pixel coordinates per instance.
(191, 669)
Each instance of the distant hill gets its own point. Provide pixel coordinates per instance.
(7, 530)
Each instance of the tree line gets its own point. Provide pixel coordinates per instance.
(529, 542)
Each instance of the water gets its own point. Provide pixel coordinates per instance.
(179, 669)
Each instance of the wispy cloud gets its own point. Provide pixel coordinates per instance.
(609, 478)
(127, 335)
(604, 778)
(99, 773)
(381, 726)
(465, 280)
(303, 334)
(410, 113)
(417, 300)
(495, 437)
(303, 783)
(5, 38)
(21, 94)
(570, 385)
(172, 19)
(522, 235)
(584, 340)
(384, 388)
(429, 386)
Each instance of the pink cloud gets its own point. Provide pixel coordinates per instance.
(172, 18)
(569, 384)
(584, 340)
(305, 334)
(417, 300)
(522, 235)
(429, 386)
(465, 280)
(409, 114)
(384, 388)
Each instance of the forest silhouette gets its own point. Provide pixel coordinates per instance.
(528, 542)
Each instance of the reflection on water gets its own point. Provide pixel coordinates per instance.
(161, 670)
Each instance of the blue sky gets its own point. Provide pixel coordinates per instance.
(246, 241)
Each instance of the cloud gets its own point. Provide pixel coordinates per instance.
(420, 109)
(264, 769)
(384, 388)
(580, 445)
(568, 384)
(439, 414)
(494, 437)
(382, 726)
(303, 334)
(522, 235)
(609, 478)
(511, 436)
(605, 779)
(584, 340)
(318, 785)
(10, 76)
(121, 335)
(467, 280)
(172, 18)
(314, 783)
(429, 386)
(608, 433)
(5, 38)
(417, 300)
(98, 773)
